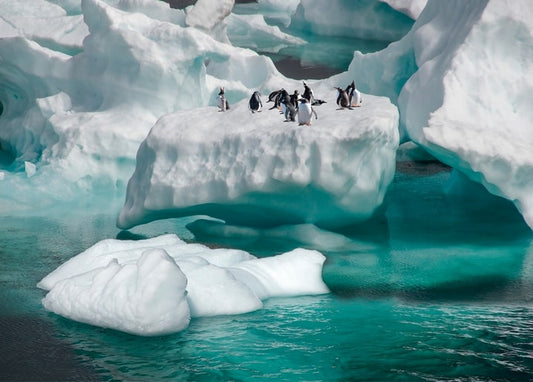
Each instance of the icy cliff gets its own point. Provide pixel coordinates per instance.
(462, 80)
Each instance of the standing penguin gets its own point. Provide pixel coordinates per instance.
(305, 112)
(354, 95)
(308, 94)
(222, 102)
(289, 111)
(342, 99)
(255, 103)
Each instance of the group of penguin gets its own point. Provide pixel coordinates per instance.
(294, 105)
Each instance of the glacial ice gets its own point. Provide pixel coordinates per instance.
(469, 102)
(257, 170)
(363, 19)
(154, 286)
(78, 107)
(462, 80)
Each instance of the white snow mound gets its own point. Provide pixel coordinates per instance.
(154, 286)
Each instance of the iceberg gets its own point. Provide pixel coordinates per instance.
(462, 81)
(154, 286)
(76, 101)
(257, 170)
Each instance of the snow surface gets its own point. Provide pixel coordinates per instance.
(256, 169)
(154, 286)
(462, 80)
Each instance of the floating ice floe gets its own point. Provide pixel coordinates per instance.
(257, 170)
(154, 286)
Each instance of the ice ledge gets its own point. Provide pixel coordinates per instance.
(256, 169)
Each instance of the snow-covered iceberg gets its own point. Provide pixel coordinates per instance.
(463, 82)
(154, 286)
(77, 100)
(257, 170)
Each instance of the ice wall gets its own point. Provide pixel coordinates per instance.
(462, 79)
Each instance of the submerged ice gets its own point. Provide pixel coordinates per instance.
(154, 286)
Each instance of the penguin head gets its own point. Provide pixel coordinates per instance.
(221, 91)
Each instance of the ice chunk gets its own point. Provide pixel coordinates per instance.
(146, 297)
(154, 286)
(255, 169)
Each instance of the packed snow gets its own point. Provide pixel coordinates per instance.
(154, 286)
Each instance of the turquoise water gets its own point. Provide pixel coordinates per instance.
(437, 287)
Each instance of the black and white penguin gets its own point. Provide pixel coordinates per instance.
(255, 103)
(222, 102)
(275, 97)
(354, 95)
(342, 99)
(305, 112)
(308, 94)
(289, 111)
(294, 99)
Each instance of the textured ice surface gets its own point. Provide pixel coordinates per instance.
(256, 169)
(77, 100)
(463, 81)
(154, 286)
(364, 19)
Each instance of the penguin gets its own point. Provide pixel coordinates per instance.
(305, 112)
(255, 103)
(272, 96)
(222, 102)
(318, 102)
(289, 111)
(342, 99)
(294, 99)
(275, 97)
(308, 93)
(354, 95)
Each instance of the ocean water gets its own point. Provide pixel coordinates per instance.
(437, 287)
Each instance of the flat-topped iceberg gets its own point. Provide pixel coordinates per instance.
(257, 170)
(154, 286)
